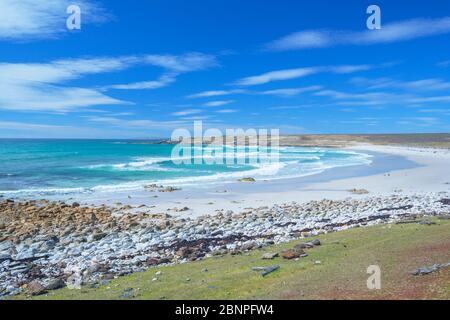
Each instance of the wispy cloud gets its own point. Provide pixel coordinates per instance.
(445, 112)
(288, 74)
(365, 98)
(173, 65)
(30, 19)
(215, 93)
(163, 81)
(390, 33)
(227, 111)
(186, 112)
(183, 63)
(218, 103)
(416, 85)
(435, 99)
(37, 86)
(381, 98)
(444, 64)
(289, 92)
(42, 86)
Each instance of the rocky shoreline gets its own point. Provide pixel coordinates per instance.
(47, 245)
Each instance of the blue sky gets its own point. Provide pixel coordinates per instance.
(141, 69)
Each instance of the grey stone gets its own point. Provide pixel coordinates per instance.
(55, 284)
(269, 255)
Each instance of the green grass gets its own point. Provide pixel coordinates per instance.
(344, 256)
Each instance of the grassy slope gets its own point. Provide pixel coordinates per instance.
(397, 249)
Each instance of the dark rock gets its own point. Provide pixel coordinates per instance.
(290, 254)
(55, 284)
(152, 262)
(427, 222)
(35, 288)
(98, 236)
(301, 246)
(169, 189)
(445, 202)
(249, 245)
(247, 180)
(266, 270)
(307, 245)
(184, 252)
(108, 276)
(359, 191)
(397, 208)
(427, 270)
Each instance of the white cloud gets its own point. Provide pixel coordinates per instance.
(390, 33)
(163, 81)
(289, 92)
(218, 103)
(183, 63)
(227, 111)
(41, 86)
(365, 98)
(435, 99)
(381, 98)
(174, 65)
(445, 112)
(31, 19)
(276, 76)
(416, 85)
(215, 93)
(288, 74)
(36, 86)
(186, 112)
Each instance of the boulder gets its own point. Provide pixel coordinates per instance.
(34, 288)
(359, 191)
(269, 255)
(249, 179)
(55, 284)
(290, 254)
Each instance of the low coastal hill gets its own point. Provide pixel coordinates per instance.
(432, 140)
(412, 140)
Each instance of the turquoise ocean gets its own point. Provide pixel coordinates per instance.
(38, 168)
